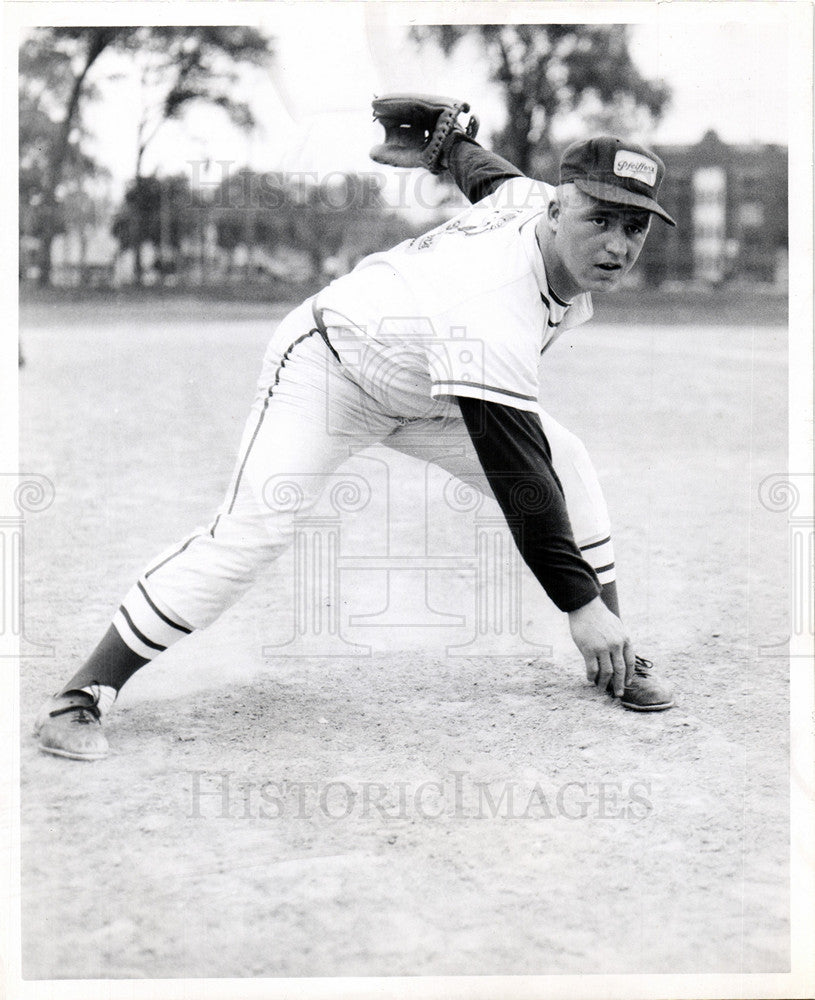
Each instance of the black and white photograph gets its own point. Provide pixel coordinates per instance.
(407, 500)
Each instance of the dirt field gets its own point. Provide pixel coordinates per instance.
(379, 802)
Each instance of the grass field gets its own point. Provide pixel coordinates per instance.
(412, 809)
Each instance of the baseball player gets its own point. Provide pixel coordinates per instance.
(431, 348)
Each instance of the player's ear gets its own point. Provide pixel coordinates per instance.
(553, 213)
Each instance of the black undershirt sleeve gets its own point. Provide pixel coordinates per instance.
(476, 170)
(516, 459)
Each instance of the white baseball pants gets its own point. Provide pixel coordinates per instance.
(308, 418)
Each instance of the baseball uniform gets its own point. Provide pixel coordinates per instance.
(405, 345)
(431, 348)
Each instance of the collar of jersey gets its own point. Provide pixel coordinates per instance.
(533, 253)
(580, 308)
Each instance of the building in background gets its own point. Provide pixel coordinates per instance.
(729, 201)
(730, 205)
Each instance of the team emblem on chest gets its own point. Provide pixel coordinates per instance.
(470, 225)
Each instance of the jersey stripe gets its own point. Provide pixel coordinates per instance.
(317, 313)
(557, 298)
(490, 388)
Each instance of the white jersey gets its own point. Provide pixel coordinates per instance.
(464, 310)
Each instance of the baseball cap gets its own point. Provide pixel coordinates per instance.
(611, 169)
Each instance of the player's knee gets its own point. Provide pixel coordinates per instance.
(245, 544)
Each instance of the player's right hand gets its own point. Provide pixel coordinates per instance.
(604, 644)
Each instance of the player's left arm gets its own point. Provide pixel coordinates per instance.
(476, 171)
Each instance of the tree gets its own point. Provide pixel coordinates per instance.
(546, 71)
(181, 66)
(250, 210)
(343, 215)
(331, 215)
(55, 84)
(37, 134)
(54, 67)
(161, 211)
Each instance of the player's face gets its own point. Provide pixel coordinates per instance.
(591, 244)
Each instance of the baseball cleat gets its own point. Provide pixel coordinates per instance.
(645, 693)
(70, 725)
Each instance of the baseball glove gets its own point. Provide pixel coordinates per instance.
(419, 130)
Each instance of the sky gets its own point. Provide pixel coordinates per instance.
(726, 64)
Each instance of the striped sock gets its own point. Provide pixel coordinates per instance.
(141, 629)
(106, 669)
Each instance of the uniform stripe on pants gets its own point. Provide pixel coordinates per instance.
(144, 626)
(280, 367)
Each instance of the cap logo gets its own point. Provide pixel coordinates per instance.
(641, 168)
